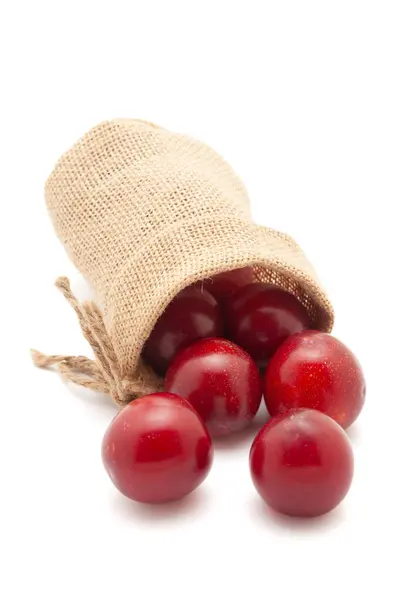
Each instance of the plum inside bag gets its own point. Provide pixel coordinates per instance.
(144, 213)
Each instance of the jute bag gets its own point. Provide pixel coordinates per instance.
(143, 213)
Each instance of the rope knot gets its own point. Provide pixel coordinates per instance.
(103, 374)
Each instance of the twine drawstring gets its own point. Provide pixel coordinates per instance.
(104, 373)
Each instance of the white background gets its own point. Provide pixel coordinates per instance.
(303, 99)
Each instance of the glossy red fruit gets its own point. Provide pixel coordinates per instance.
(315, 370)
(261, 316)
(224, 285)
(220, 380)
(157, 449)
(192, 315)
(302, 463)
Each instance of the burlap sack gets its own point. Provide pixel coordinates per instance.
(142, 213)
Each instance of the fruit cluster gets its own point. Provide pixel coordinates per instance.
(221, 345)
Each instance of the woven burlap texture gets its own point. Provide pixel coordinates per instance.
(142, 213)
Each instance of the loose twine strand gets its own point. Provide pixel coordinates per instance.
(104, 373)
